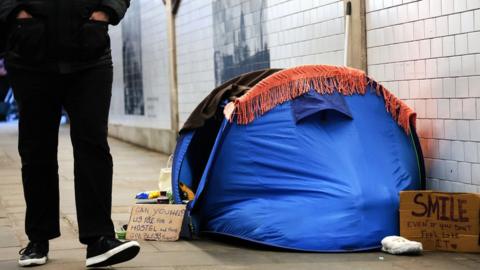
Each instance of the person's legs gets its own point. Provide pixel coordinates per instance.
(87, 102)
(39, 109)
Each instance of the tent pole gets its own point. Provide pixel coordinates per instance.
(172, 53)
(346, 50)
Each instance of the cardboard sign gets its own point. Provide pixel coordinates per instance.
(160, 222)
(441, 220)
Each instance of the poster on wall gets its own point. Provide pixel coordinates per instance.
(239, 38)
(132, 61)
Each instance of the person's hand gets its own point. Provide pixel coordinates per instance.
(99, 16)
(23, 15)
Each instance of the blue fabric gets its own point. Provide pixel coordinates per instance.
(325, 183)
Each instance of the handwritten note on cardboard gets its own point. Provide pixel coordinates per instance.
(159, 222)
(441, 220)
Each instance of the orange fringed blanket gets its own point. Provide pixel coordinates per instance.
(290, 83)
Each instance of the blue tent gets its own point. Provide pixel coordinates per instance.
(313, 159)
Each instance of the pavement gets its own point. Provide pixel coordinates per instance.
(137, 169)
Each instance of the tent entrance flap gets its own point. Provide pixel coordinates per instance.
(195, 156)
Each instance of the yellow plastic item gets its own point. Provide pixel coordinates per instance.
(153, 194)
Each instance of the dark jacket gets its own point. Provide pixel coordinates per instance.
(230, 90)
(3, 31)
(60, 37)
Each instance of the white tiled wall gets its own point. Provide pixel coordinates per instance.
(154, 69)
(305, 32)
(195, 52)
(428, 53)
(156, 84)
(117, 107)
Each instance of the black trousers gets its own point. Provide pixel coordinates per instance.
(85, 95)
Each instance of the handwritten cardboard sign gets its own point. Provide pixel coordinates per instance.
(160, 222)
(441, 220)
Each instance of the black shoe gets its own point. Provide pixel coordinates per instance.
(109, 251)
(36, 253)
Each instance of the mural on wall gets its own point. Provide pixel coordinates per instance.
(238, 38)
(132, 61)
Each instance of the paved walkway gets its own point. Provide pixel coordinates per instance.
(137, 169)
